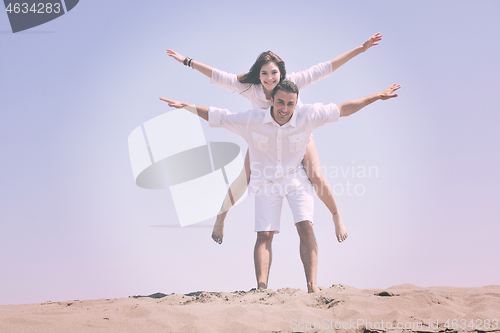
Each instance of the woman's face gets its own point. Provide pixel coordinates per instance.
(269, 76)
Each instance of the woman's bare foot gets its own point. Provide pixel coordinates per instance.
(218, 231)
(340, 229)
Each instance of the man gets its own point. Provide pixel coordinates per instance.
(277, 139)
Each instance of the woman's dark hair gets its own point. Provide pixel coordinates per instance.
(252, 76)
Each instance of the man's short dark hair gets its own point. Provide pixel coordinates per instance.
(286, 86)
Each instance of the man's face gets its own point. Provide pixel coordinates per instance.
(284, 104)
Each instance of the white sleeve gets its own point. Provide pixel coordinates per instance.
(314, 74)
(235, 122)
(227, 81)
(319, 114)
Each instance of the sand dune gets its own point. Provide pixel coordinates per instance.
(340, 307)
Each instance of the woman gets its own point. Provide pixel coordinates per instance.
(257, 86)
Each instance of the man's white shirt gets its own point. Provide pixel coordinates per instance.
(276, 152)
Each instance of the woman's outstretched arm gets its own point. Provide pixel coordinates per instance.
(325, 69)
(222, 79)
(202, 68)
(343, 58)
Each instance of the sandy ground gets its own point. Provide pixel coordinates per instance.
(338, 308)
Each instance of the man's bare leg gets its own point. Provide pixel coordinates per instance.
(323, 188)
(234, 193)
(308, 254)
(263, 256)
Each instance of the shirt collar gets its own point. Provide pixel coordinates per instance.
(269, 119)
(267, 116)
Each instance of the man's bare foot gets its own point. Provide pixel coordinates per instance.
(313, 289)
(340, 230)
(218, 231)
(261, 286)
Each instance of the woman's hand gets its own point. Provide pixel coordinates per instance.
(202, 68)
(180, 58)
(373, 40)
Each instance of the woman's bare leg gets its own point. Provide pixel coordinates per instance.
(234, 193)
(323, 188)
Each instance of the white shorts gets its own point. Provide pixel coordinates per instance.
(268, 203)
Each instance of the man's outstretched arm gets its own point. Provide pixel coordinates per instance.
(354, 105)
(201, 111)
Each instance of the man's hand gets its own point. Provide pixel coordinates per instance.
(200, 111)
(389, 92)
(373, 40)
(174, 104)
(176, 56)
(354, 105)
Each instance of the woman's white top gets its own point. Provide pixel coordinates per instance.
(255, 92)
